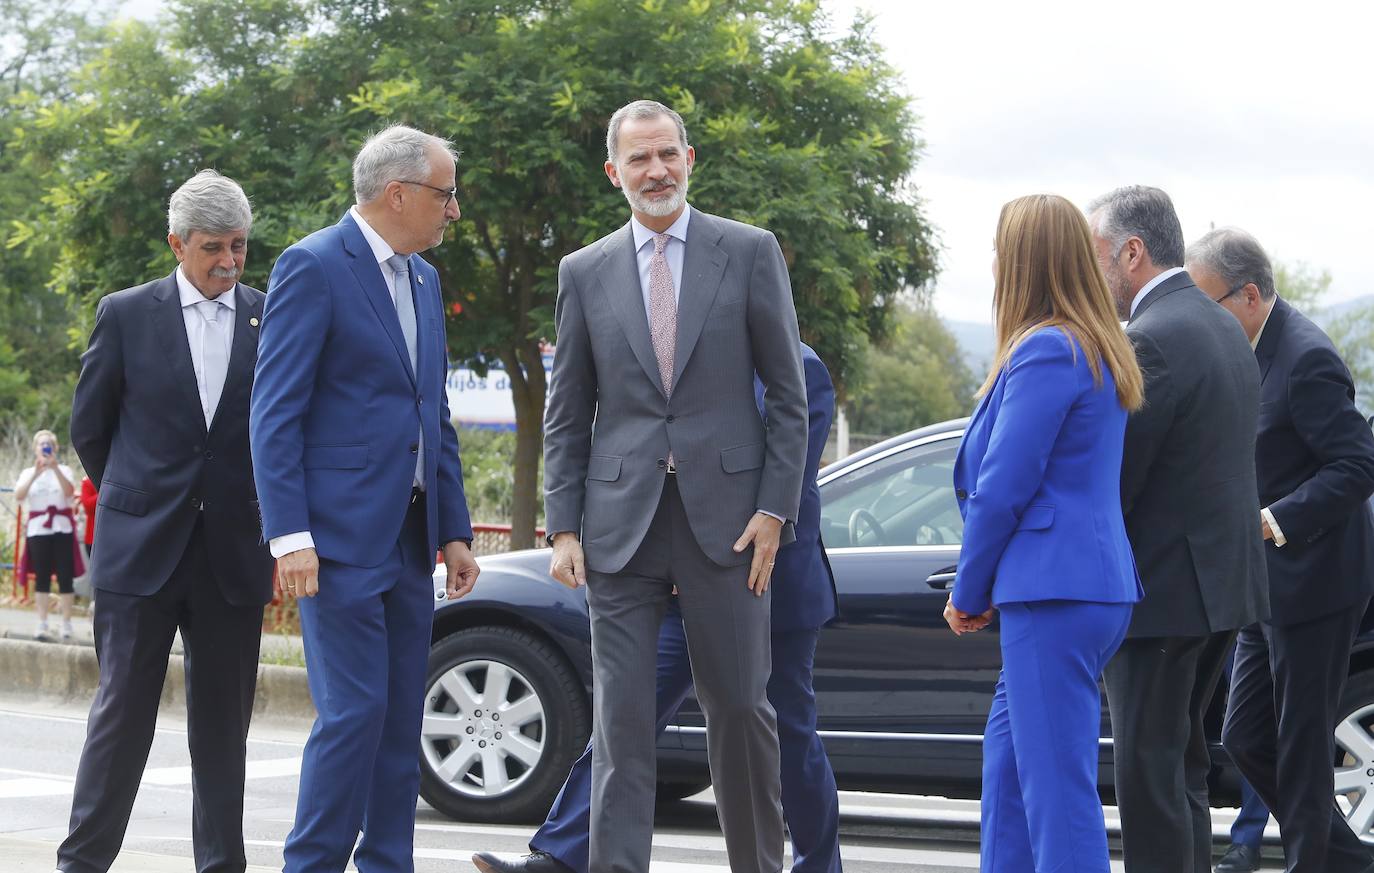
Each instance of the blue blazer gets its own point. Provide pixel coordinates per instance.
(1038, 479)
(336, 409)
(803, 586)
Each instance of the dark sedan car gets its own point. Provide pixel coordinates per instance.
(901, 700)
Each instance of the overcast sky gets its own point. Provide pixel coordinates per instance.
(1252, 114)
(1255, 114)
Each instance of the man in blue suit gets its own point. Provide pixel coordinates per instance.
(359, 479)
(804, 601)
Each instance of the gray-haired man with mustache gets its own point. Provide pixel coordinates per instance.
(659, 472)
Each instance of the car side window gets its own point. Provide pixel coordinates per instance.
(905, 499)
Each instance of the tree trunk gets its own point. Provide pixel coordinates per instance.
(525, 367)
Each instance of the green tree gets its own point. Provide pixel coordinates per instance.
(799, 131)
(918, 378)
(1351, 330)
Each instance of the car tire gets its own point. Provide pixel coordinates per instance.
(1354, 762)
(475, 677)
(671, 792)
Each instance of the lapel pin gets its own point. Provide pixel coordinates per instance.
(253, 321)
(420, 279)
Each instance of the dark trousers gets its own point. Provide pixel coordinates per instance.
(50, 555)
(1280, 724)
(366, 646)
(133, 636)
(1158, 689)
(1248, 828)
(728, 636)
(809, 801)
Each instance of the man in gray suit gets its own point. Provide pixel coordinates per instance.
(658, 465)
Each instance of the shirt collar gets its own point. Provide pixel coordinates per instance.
(678, 229)
(1254, 343)
(190, 295)
(380, 250)
(1152, 284)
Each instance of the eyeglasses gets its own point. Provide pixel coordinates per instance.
(449, 193)
(1233, 292)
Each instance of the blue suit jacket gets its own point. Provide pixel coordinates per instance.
(336, 408)
(803, 587)
(1038, 479)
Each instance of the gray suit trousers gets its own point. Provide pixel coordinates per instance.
(727, 629)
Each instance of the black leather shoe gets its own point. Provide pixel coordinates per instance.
(1239, 859)
(534, 862)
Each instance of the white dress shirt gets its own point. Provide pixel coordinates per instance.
(674, 252)
(195, 335)
(295, 542)
(1152, 284)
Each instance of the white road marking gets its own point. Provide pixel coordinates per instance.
(44, 785)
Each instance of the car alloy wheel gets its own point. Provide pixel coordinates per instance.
(484, 728)
(1355, 756)
(505, 716)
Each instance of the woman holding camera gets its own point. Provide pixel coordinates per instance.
(46, 491)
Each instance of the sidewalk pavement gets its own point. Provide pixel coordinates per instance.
(20, 622)
(68, 672)
(36, 856)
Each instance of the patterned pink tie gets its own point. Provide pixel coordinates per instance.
(662, 312)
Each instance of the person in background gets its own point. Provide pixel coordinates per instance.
(1314, 455)
(46, 491)
(89, 496)
(1038, 483)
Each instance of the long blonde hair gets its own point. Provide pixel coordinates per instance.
(1048, 276)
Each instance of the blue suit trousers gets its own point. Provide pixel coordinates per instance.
(366, 648)
(1040, 809)
(810, 804)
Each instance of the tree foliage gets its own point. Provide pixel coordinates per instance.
(795, 129)
(919, 377)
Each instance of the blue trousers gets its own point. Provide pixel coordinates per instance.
(1040, 809)
(366, 649)
(810, 804)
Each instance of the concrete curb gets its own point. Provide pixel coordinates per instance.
(70, 673)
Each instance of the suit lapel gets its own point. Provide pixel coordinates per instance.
(243, 351)
(618, 273)
(703, 265)
(369, 275)
(1268, 345)
(170, 327)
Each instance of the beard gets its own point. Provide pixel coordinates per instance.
(1120, 287)
(641, 202)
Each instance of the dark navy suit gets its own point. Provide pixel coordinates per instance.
(1038, 482)
(1314, 456)
(804, 600)
(337, 416)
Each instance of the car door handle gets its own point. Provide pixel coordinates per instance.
(942, 580)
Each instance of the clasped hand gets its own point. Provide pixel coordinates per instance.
(966, 622)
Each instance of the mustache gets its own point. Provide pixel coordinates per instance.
(222, 273)
(655, 187)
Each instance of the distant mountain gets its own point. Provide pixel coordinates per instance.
(976, 341)
(1326, 314)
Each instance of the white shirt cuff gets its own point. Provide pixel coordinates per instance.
(773, 515)
(1279, 539)
(292, 542)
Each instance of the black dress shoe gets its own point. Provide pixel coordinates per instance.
(1239, 859)
(534, 862)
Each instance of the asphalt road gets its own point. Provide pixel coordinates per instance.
(40, 747)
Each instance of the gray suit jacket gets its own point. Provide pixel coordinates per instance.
(608, 428)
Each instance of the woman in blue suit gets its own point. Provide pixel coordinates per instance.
(1038, 481)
